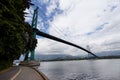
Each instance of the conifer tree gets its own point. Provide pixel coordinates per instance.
(13, 29)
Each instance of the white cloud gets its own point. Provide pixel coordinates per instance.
(79, 18)
(51, 7)
(82, 18)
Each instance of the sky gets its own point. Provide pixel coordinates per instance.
(84, 22)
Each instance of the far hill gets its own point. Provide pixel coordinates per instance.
(59, 57)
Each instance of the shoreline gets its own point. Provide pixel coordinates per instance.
(76, 59)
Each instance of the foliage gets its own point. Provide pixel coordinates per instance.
(30, 40)
(13, 29)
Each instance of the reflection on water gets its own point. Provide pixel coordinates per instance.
(82, 70)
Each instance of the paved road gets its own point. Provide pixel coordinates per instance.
(9, 73)
(27, 73)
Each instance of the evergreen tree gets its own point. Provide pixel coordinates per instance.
(13, 30)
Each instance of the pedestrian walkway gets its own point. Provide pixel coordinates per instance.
(7, 75)
(28, 73)
(27, 70)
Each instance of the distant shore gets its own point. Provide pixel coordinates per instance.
(91, 58)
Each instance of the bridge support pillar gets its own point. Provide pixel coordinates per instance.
(34, 25)
(32, 55)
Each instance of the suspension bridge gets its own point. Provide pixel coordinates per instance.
(40, 33)
(30, 73)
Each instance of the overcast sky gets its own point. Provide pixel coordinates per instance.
(84, 22)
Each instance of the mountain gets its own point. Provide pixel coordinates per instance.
(109, 53)
(57, 57)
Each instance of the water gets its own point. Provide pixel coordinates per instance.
(108, 69)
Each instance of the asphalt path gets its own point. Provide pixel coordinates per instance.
(28, 73)
(8, 74)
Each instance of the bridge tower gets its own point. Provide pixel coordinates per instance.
(34, 25)
(88, 48)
